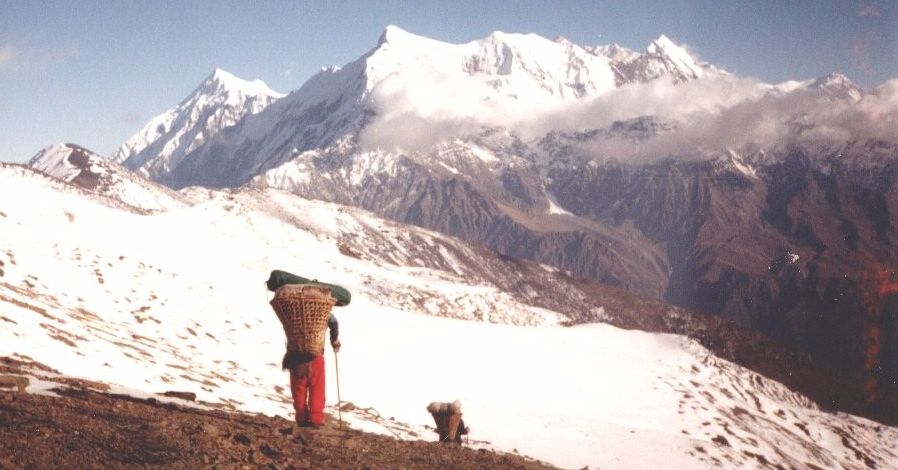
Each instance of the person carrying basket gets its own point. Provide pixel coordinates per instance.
(304, 308)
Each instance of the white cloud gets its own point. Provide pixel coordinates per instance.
(417, 111)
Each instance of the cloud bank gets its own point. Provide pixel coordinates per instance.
(415, 111)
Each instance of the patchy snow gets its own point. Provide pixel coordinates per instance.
(554, 208)
(483, 154)
(451, 169)
(745, 169)
(740, 165)
(175, 301)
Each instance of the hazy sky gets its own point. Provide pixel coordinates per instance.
(93, 73)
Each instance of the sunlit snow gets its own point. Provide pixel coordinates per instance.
(175, 301)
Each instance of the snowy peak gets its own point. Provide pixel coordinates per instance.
(682, 62)
(833, 79)
(837, 86)
(615, 53)
(223, 81)
(662, 58)
(502, 65)
(220, 101)
(395, 35)
(664, 46)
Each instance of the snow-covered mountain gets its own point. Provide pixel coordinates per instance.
(87, 170)
(411, 93)
(217, 103)
(662, 58)
(837, 87)
(174, 301)
(506, 75)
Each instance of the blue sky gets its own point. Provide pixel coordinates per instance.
(93, 73)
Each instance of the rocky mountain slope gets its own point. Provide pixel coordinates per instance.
(172, 301)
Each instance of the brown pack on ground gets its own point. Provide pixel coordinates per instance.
(447, 416)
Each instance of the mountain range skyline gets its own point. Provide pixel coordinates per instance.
(411, 93)
(672, 61)
(122, 66)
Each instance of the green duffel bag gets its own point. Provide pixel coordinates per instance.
(279, 278)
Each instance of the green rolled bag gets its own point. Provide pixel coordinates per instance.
(279, 278)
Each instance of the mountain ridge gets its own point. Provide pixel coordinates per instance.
(83, 168)
(220, 101)
(338, 102)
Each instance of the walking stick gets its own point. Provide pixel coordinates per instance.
(339, 401)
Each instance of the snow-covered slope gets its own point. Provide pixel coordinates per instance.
(219, 102)
(85, 169)
(175, 301)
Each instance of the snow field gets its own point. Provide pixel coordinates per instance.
(175, 301)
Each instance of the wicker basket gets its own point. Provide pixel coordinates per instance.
(447, 426)
(303, 310)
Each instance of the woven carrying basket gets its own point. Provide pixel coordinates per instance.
(447, 425)
(303, 310)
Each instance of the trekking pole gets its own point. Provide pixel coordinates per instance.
(339, 401)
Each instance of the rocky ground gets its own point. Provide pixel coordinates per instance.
(88, 428)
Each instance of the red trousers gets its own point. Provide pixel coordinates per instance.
(308, 391)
